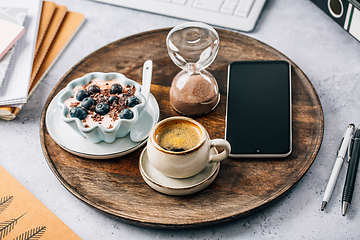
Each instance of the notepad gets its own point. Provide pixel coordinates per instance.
(67, 29)
(10, 33)
(56, 21)
(17, 16)
(15, 86)
(47, 13)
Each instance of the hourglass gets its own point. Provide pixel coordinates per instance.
(193, 47)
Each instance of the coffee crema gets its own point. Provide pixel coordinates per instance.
(178, 136)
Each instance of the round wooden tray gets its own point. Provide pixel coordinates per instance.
(243, 186)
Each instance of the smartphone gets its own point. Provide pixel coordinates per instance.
(258, 109)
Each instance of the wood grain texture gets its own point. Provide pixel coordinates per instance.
(243, 186)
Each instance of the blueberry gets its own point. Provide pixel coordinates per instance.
(93, 89)
(126, 114)
(78, 112)
(112, 99)
(115, 88)
(132, 101)
(80, 95)
(87, 103)
(102, 108)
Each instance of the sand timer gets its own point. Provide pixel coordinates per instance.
(193, 47)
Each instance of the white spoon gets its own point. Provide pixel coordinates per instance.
(145, 122)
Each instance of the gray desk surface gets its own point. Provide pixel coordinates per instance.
(328, 55)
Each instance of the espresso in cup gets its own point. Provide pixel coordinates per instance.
(178, 136)
(180, 147)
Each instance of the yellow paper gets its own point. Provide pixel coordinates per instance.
(22, 215)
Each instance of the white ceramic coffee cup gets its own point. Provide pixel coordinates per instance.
(186, 163)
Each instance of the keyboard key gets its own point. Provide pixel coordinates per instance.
(229, 6)
(181, 2)
(221, 12)
(243, 8)
(212, 5)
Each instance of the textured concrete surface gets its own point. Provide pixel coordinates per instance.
(328, 55)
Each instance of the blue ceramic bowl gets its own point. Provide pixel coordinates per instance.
(98, 133)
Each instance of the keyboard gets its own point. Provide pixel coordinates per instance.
(234, 14)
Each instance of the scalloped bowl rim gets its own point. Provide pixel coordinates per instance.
(84, 80)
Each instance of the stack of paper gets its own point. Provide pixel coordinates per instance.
(56, 28)
(15, 85)
(15, 16)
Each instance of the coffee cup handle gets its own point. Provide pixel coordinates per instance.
(224, 154)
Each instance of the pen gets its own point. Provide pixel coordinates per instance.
(351, 173)
(345, 142)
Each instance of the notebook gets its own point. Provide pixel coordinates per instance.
(23, 216)
(15, 86)
(47, 12)
(53, 42)
(16, 16)
(52, 29)
(10, 33)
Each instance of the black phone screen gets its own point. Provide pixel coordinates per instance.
(258, 113)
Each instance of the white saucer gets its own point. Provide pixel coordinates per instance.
(72, 142)
(177, 186)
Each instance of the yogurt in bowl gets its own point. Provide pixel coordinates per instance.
(102, 106)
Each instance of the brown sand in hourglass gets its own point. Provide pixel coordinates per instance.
(198, 96)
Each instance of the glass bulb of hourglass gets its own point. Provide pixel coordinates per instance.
(193, 47)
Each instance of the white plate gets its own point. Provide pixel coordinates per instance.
(72, 142)
(177, 186)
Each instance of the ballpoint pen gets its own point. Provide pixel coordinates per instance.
(351, 173)
(344, 144)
